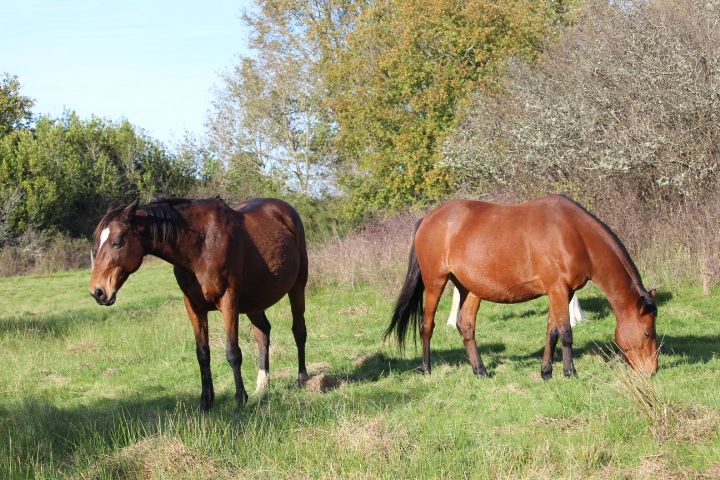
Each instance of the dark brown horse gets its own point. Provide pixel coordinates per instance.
(240, 260)
(514, 253)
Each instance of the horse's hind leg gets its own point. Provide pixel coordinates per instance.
(433, 291)
(469, 305)
(297, 306)
(261, 329)
(558, 328)
(202, 350)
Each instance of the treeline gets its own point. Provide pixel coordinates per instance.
(354, 98)
(353, 109)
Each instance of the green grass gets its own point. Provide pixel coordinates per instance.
(94, 392)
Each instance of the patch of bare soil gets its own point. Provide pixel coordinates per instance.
(322, 383)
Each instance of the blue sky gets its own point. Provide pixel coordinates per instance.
(154, 62)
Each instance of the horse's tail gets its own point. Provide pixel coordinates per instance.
(409, 306)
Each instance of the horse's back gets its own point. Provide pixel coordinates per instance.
(274, 251)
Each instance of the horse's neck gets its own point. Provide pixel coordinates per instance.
(181, 250)
(168, 252)
(613, 274)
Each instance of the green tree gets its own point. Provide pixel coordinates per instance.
(14, 108)
(404, 71)
(68, 170)
(270, 118)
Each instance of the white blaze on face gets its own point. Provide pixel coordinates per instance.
(103, 237)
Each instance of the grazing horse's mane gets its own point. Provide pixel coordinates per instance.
(161, 219)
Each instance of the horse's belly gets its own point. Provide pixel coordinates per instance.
(267, 287)
(506, 292)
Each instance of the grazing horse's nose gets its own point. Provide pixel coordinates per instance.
(99, 295)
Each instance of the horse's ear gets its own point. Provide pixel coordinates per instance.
(112, 206)
(652, 292)
(129, 212)
(645, 306)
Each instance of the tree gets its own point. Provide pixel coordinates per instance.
(402, 73)
(14, 108)
(270, 119)
(62, 175)
(628, 100)
(358, 95)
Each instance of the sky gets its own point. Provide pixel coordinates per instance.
(152, 62)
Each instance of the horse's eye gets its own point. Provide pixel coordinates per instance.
(117, 244)
(646, 334)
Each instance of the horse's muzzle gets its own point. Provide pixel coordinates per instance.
(101, 298)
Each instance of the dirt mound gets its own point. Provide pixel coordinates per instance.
(158, 458)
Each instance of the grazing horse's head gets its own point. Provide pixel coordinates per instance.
(119, 252)
(636, 335)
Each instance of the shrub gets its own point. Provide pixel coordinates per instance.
(37, 253)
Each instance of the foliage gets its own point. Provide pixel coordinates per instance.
(268, 119)
(357, 95)
(401, 75)
(628, 100)
(64, 172)
(15, 109)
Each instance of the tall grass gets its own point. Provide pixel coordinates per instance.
(376, 254)
(103, 393)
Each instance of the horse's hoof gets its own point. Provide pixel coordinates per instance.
(480, 372)
(570, 373)
(546, 374)
(302, 379)
(206, 400)
(241, 398)
(425, 370)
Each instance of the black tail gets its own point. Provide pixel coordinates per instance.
(409, 306)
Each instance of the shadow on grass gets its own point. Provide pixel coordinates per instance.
(692, 349)
(599, 305)
(71, 441)
(57, 324)
(374, 367)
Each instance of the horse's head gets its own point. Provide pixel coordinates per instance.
(636, 335)
(119, 252)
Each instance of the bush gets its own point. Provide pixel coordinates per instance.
(630, 97)
(36, 253)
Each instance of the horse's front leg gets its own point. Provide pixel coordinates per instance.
(559, 327)
(198, 318)
(232, 349)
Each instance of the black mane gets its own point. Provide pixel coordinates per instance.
(162, 220)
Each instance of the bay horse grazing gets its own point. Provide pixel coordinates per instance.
(236, 260)
(514, 253)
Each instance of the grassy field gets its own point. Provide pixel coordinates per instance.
(94, 392)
